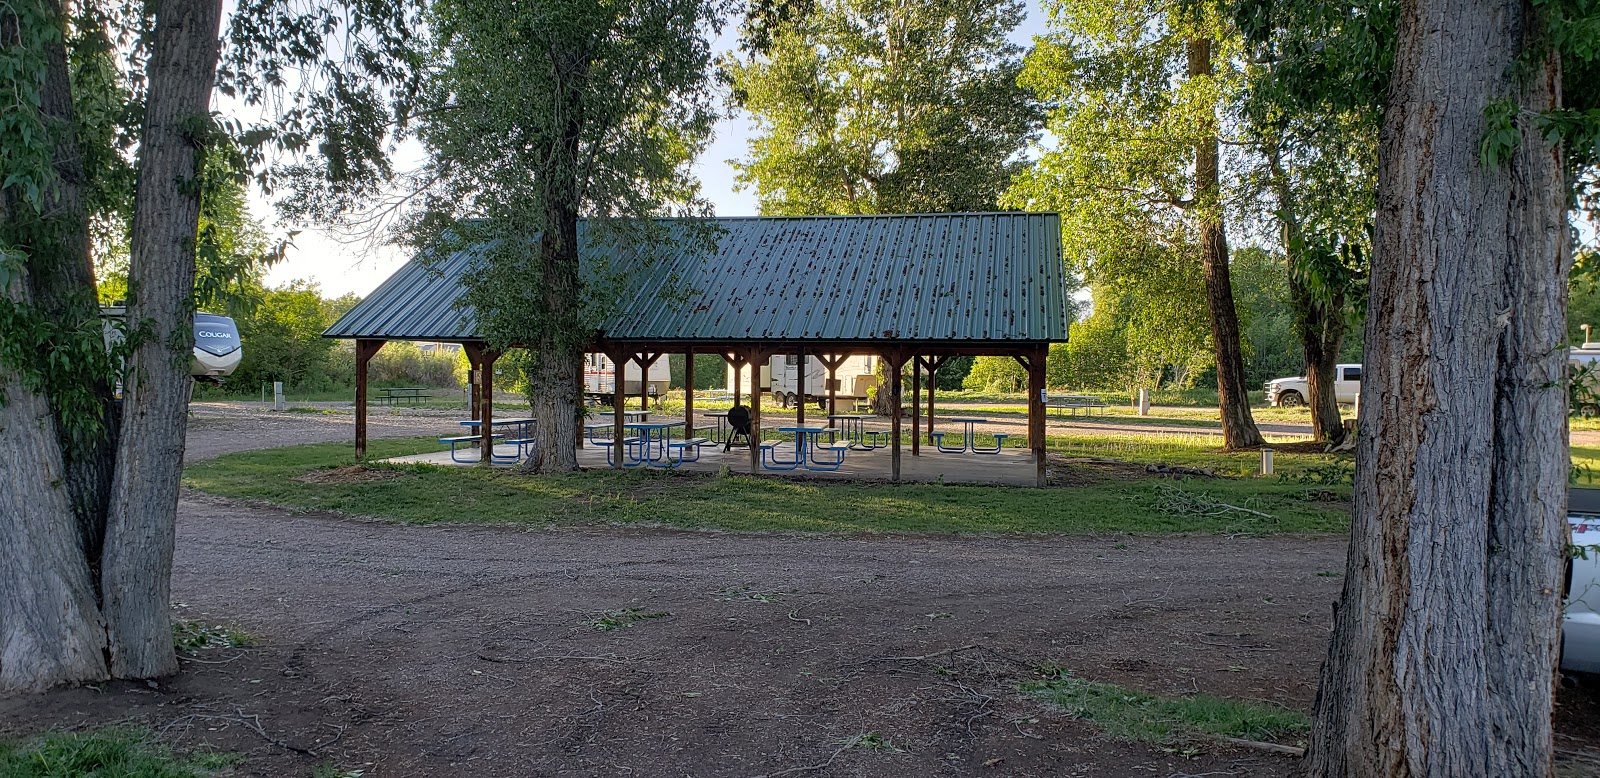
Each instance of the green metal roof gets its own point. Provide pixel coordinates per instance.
(931, 278)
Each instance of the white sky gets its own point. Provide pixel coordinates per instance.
(339, 268)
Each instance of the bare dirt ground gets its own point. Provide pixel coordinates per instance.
(478, 651)
(217, 428)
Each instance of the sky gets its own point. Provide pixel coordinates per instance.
(340, 268)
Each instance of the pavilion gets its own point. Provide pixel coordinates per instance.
(907, 288)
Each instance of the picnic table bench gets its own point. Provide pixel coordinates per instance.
(392, 395)
(1070, 404)
(456, 441)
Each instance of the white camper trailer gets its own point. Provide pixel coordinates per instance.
(781, 376)
(217, 351)
(599, 377)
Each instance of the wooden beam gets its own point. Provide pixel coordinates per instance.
(755, 357)
(933, 364)
(916, 405)
(833, 363)
(800, 389)
(688, 394)
(365, 350)
(474, 361)
(645, 360)
(582, 404)
(618, 361)
(1036, 364)
(896, 360)
(736, 361)
(486, 405)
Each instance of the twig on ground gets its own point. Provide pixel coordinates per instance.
(924, 657)
(810, 768)
(1274, 748)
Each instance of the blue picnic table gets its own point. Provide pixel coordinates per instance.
(967, 442)
(806, 447)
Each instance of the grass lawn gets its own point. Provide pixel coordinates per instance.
(424, 494)
(1128, 714)
(113, 753)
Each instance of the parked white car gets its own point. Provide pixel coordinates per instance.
(1294, 392)
(1580, 627)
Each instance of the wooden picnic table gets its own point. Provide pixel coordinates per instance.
(394, 394)
(1070, 404)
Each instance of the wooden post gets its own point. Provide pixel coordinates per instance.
(365, 350)
(754, 358)
(916, 404)
(933, 363)
(735, 362)
(581, 404)
(618, 398)
(800, 389)
(645, 360)
(832, 362)
(486, 405)
(474, 361)
(896, 361)
(688, 394)
(1035, 365)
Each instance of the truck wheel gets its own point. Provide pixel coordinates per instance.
(1290, 399)
(1589, 410)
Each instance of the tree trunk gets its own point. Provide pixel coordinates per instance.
(1321, 334)
(61, 282)
(558, 352)
(53, 476)
(1238, 425)
(1445, 639)
(50, 627)
(137, 564)
(1319, 321)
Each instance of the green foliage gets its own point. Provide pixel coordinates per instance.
(868, 107)
(120, 752)
(999, 374)
(194, 636)
(1261, 292)
(282, 339)
(1126, 118)
(1128, 714)
(536, 112)
(710, 371)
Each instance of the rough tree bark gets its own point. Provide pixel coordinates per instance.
(50, 627)
(558, 350)
(1445, 637)
(52, 478)
(1238, 425)
(136, 569)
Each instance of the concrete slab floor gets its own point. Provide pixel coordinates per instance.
(1012, 466)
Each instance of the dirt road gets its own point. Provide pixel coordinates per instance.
(487, 651)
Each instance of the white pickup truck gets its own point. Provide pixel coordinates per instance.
(1293, 392)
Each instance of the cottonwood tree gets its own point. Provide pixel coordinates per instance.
(90, 495)
(867, 107)
(537, 114)
(1315, 96)
(1445, 638)
(1136, 89)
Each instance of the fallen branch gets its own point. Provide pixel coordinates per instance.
(810, 768)
(1258, 745)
